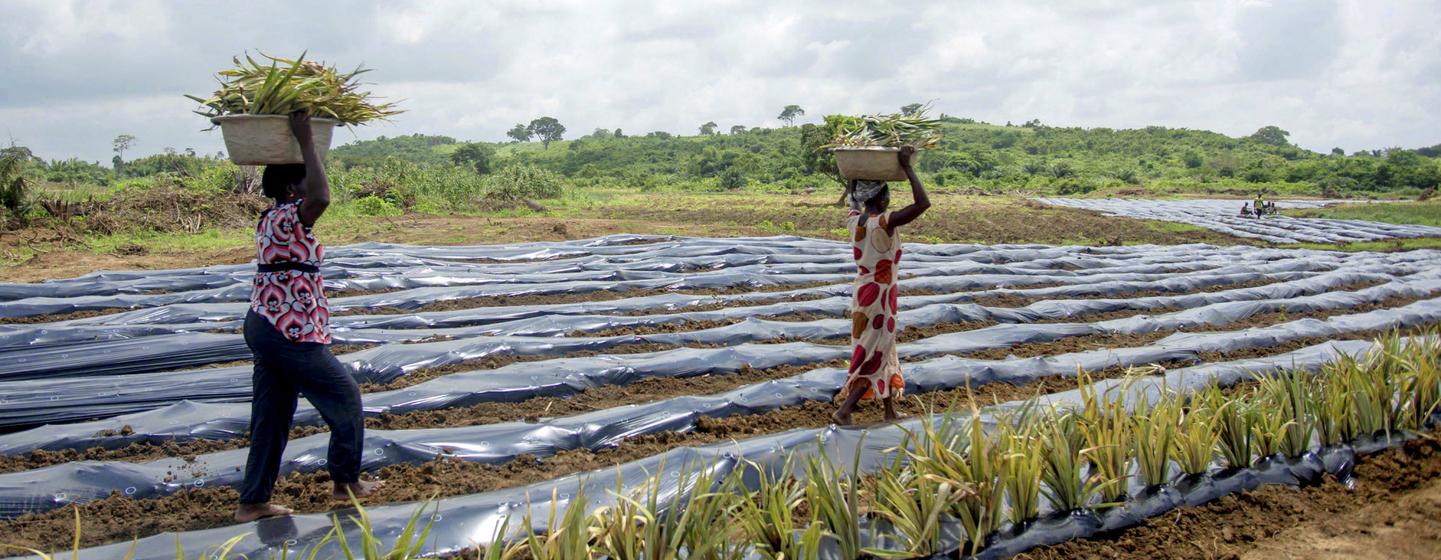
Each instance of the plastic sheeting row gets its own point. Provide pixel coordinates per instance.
(33, 402)
(466, 521)
(431, 266)
(23, 346)
(958, 276)
(689, 263)
(54, 486)
(1096, 280)
(37, 353)
(703, 263)
(1225, 216)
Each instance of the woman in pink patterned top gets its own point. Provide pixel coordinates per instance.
(288, 331)
(875, 371)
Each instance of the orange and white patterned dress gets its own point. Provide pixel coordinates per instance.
(874, 364)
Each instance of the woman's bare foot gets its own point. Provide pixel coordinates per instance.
(359, 489)
(840, 418)
(890, 410)
(251, 512)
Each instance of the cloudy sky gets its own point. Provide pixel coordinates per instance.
(1355, 74)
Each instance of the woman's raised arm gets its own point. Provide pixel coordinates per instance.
(918, 192)
(316, 185)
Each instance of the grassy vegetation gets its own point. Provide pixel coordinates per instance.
(1426, 213)
(1388, 245)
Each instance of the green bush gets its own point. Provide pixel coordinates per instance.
(522, 182)
(177, 164)
(375, 206)
(732, 179)
(14, 186)
(74, 171)
(409, 185)
(1073, 187)
(224, 177)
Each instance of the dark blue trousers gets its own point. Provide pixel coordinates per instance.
(284, 370)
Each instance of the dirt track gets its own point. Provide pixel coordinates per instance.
(553, 299)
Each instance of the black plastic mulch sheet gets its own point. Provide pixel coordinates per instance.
(1225, 216)
(39, 401)
(33, 402)
(684, 263)
(505, 441)
(471, 272)
(1300, 281)
(128, 338)
(465, 521)
(141, 349)
(563, 319)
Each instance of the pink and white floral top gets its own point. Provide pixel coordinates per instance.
(292, 300)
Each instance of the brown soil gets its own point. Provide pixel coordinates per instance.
(713, 306)
(138, 452)
(950, 219)
(637, 330)
(81, 314)
(42, 252)
(339, 349)
(1020, 300)
(912, 334)
(720, 305)
(1391, 513)
(493, 362)
(599, 398)
(336, 294)
(336, 349)
(552, 299)
(907, 334)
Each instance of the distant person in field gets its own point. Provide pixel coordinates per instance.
(1245, 209)
(1260, 206)
(288, 332)
(875, 371)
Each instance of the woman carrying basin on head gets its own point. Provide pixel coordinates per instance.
(875, 370)
(288, 332)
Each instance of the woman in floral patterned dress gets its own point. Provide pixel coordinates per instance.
(288, 332)
(875, 371)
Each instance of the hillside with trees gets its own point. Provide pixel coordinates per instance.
(438, 174)
(974, 156)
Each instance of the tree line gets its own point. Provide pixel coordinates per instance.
(973, 155)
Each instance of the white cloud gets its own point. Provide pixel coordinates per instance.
(1349, 73)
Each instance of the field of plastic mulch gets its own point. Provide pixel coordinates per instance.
(127, 362)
